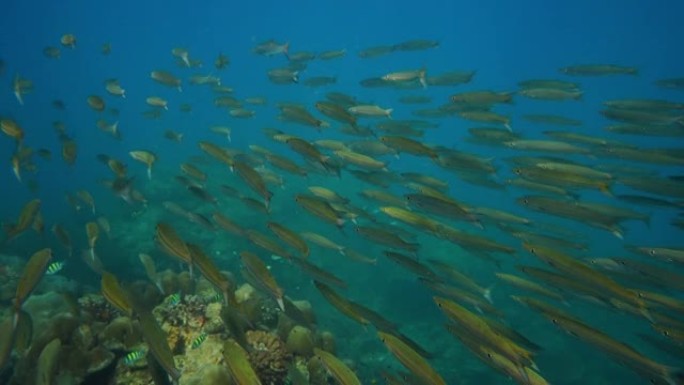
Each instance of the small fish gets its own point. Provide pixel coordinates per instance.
(55, 267)
(173, 299)
(133, 357)
(198, 341)
(216, 297)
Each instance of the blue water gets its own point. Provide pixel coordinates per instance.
(504, 42)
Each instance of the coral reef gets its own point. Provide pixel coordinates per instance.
(97, 308)
(120, 334)
(189, 312)
(269, 357)
(10, 270)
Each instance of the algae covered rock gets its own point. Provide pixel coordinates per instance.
(300, 341)
(120, 334)
(211, 374)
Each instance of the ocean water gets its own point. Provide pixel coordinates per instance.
(503, 42)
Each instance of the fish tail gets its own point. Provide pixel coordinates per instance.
(286, 50)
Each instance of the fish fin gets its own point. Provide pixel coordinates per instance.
(605, 188)
(488, 294)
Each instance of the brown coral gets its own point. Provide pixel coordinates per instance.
(269, 357)
(98, 308)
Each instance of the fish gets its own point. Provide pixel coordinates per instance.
(170, 242)
(321, 209)
(553, 94)
(360, 160)
(174, 299)
(33, 272)
(370, 111)
(157, 343)
(26, 217)
(156, 101)
(336, 111)
(222, 61)
(618, 350)
(272, 48)
(451, 78)
(197, 342)
(222, 130)
(253, 179)
(259, 274)
(173, 136)
(377, 51)
(598, 70)
(585, 273)
(415, 45)
(202, 194)
(410, 146)
(319, 274)
(338, 369)
(68, 40)
(21, 86)
(115, 294)
(167, 79)
(319, 81)
(63, 237)
(410, 359)
(151, 270)
(386, 237)
(238, 363)
(342, 304)
(407, 76)
(96, 103)
(106, 49)
(146, 157)
(483, 332)
(69, 151)
(300, 115)
(132, 358)
(54, 268)
(410, 264)
(113, 87)
(52, 52)
(529, 286)
(12, 129)
(93, 233)
(212, 274)
(321, 241)
(290, 237)
(228, 225)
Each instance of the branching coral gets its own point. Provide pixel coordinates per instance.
(269, 357)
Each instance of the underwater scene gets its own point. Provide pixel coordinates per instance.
(322, 192)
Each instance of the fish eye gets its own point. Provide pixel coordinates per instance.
(651, 252)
